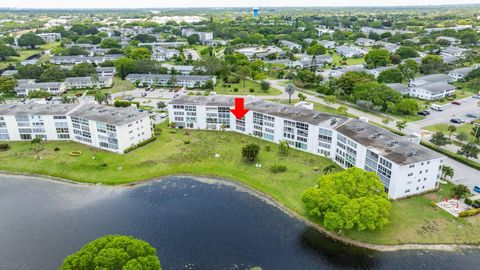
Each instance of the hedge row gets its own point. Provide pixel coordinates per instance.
(453, 156)
(468, 213)
(139, 144)
(124, 103)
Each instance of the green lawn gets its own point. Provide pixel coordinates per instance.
(316, 106)
(192, 152)
(443, 127)
(120, 85)
(222, 88)
(24, 54)
(336, 59)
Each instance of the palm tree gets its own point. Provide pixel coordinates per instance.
(451, 129)
(447, 171)
(290, 90)
(102, 97)
(330, 168)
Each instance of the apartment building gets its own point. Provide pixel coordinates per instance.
(189, 81)
(54, 88)
(109, 128)
(404, 167)
(88, 82)
(50, 37)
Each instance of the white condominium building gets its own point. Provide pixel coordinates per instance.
(404, 167)
(105, 127)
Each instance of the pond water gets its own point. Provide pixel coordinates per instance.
(192, 224)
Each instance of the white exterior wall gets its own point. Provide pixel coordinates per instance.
(400, 181)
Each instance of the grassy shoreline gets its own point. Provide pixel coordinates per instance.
(182, 152)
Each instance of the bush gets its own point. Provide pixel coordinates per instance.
(468, 201)
(186, 142)
(268, 148)
(476, 204)
(469, 213)
(251, 90)
(56, 149)
(122, 103)
(235, 89)
(278, 168)
(139, 145)
(4, 146)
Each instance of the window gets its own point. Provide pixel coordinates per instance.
(407, 191)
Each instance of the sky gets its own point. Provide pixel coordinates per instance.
(216, 3)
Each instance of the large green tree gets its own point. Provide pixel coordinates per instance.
(114, 252)
(7, 84)
(439, 139)
(392, 75)
(30, 40)
(6, 52)
(432, 64)
(406, 52)
(124, 66)
(351, 199)
(377, 58)
(316, 49)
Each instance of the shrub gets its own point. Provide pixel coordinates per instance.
(468, 213)
(186, 142)
(122, 103)
(250, 152)
(268, 148)
(56, 149)
(278, 168)
(251, 90)
(4, 146)
(468, 201)
(139, 144)
(235, 89)
(476, 204)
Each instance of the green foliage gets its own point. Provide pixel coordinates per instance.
(114, 252)
(250, 152)
(351, 199)
(264, 85)
(469, 150)
(124, 66)
(7, 84)
(347, 81)
(54, 74)
(74, 50)
(109, 43)
(276, 168)
(377, 58)
(379, 94)
(406, 52)
(147, 141)
(122, 103)
(432, 64)
(407, 106)
(140, 54)
(30, 71)
(30, 40)
(83, 70)
(401, 125)
(316, 49)
(6, 52)
(470, 212)
(460, 191)
(439, 139)
(193, 39)
(283, 148)
(39, 94)
(392, 75)
(4, 146)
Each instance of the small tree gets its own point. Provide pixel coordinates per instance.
(250, 152)
(330, 99)
(302, 97)
(462, 136)
(283, 148)
(290, 90)
(161, 105)
(447, 171)
(451, 129)
(439, 139)
(460, 191)
(386, 120)
(469, 150)
(401, 124)
(342, 110)
(264, 85)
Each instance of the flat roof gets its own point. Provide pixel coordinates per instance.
(391, 146)
(108, 114)
(36, 109)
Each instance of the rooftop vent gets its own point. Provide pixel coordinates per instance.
(333, 121)
(359, 128)
(412, 153)
(376, 135)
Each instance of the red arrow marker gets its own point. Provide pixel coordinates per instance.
(239, 111)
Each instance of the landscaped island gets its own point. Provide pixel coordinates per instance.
(210, 153)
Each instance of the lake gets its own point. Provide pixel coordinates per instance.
(192, 224)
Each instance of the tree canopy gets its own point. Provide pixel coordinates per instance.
(114, 252)
(377, 58)
(30, 40)
(351, 199)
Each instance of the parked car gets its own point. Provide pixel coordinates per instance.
(129, 98)
(456, 103)
(477, 188)
(476, 96)
(422, 113)
(471, 115)
(456, 121)
(48, 98)
(144, 94)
